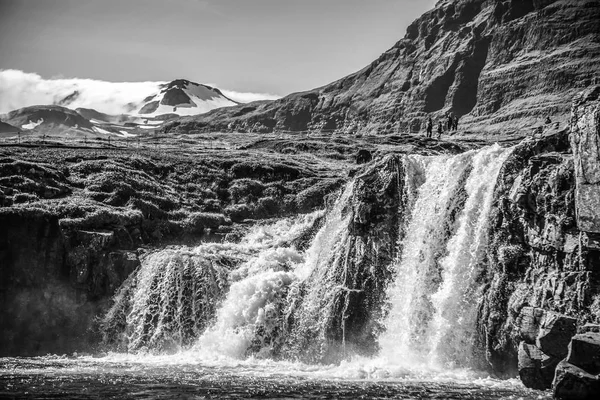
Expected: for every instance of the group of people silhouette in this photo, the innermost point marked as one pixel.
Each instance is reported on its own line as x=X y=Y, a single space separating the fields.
x=451 y=124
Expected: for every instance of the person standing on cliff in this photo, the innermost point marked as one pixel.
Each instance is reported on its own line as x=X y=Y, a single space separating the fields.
x=450 y=122
x=455 y=127
x=440 y=129
x=429 y=127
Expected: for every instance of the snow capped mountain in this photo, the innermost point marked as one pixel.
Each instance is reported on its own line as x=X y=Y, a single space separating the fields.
x=176 y=98
x=80 y=106
x=20 y=89
x=183 y=97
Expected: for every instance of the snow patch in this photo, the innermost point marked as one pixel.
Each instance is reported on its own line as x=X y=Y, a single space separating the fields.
x=126 y=134
x=100 y=130
x=32 y=125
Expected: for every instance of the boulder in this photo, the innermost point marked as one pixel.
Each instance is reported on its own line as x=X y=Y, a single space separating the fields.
x=536 y=369
x=528 y=323
x=556 y=330
x=573 y=383
x=584 y=352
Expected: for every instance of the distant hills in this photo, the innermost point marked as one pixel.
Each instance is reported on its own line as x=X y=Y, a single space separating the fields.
x=170 y=100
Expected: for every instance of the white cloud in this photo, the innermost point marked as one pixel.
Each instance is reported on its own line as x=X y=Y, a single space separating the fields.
x=21 y=89
x=244 y=97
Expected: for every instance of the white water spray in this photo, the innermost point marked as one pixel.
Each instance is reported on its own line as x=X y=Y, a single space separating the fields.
x=432 y=320
x=252 y=310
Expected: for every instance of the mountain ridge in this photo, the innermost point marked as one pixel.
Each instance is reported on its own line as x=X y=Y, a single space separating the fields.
x=500 y=66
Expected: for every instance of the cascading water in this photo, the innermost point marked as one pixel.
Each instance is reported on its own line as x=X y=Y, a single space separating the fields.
x=265 y=298
x=251 y=317
x=170 y=301
x=432 y=320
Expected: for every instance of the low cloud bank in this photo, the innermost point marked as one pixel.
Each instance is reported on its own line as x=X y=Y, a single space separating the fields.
x=21 y=89
x=242 y=97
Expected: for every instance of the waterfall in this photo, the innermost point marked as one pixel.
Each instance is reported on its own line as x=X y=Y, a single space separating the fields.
x=173 y=297
x=225 y=298
x=251 y=319
x=434 y=295
x=394 y=268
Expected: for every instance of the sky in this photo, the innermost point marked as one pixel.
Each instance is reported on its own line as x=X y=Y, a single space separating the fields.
x=257 y=46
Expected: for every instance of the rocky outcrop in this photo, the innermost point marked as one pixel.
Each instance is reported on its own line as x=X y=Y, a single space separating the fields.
x=573 y=383
x=348 y=319
x=498 y=65
x=578 y=375
x=544 y=257
x=546 y=337
x=536 y=369
x=585 y=141
x=584 y=352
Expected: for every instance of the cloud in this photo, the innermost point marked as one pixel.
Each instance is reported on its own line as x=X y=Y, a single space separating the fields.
x=21 y=89
x=244 y=97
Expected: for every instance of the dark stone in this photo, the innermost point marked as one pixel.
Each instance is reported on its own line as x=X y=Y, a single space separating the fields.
x=556 y=330
x=536 y=369
x=363 y=156
x=528 y=323
x=176 y=96
x=573 y=383
x=584 y=352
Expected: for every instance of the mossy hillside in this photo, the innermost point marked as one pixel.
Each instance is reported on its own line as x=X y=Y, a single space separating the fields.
x=169 y=194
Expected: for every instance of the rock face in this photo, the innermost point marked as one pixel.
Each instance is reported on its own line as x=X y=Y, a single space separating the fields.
x=498 y=65
x=585 y=141
x=536 y=369
x=544 y=257
x=545 y=339
x=348 y=319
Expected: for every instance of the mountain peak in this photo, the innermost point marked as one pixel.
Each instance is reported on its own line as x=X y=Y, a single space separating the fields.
x=184 y=97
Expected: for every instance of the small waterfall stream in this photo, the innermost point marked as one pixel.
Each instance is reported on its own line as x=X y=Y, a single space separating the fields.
x=266 y=298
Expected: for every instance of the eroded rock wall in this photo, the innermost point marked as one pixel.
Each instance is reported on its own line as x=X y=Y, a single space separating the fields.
x=544 y=261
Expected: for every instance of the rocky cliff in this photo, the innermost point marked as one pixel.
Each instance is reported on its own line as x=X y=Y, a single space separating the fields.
x=498 y=65
x=544 y=259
